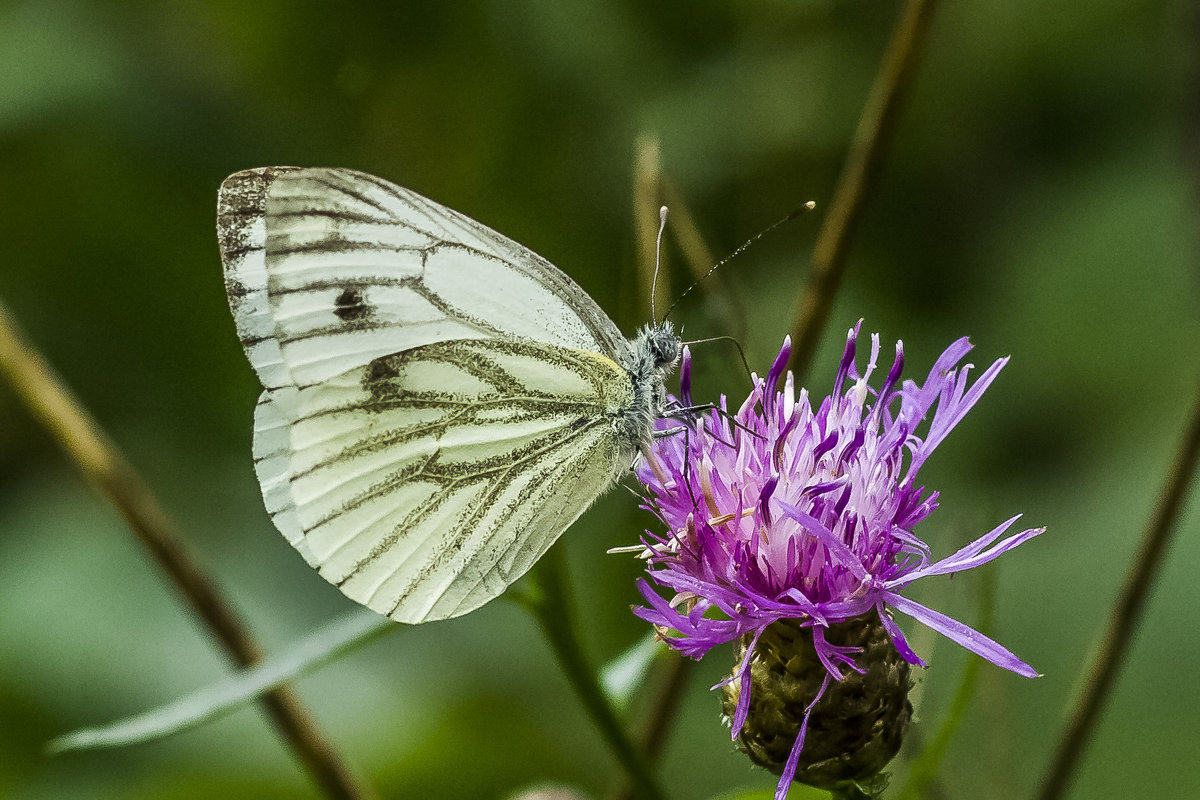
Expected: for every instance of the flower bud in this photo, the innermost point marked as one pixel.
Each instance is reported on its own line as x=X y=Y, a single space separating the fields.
x=856 y=726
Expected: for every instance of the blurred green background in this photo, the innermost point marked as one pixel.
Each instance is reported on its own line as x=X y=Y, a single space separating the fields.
x=1040 y=197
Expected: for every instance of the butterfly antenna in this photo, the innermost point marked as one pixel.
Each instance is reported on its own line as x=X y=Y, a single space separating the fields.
x=736 y=343
x=662 y=225
x=809 y=206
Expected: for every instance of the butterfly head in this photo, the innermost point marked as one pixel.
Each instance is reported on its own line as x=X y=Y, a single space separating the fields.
x=661 y=344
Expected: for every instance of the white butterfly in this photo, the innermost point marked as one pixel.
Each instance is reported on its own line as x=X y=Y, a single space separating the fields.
x=441 y=403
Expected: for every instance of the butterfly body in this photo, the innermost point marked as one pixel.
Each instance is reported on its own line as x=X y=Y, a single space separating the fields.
x=440 y=403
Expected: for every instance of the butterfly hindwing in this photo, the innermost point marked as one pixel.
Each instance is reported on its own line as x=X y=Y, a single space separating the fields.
x=331 y=268
x=423 y=483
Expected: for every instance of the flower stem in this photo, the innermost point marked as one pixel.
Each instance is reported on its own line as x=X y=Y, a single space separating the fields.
x=874 y=133
x=550 y=603
x=1124 y=621
x=103 y=465
x=853 y=793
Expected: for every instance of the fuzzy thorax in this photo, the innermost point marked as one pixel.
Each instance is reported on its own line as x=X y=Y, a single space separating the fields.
x=653 y=353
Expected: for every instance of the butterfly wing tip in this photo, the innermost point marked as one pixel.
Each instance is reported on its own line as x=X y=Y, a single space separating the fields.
x=255 y=175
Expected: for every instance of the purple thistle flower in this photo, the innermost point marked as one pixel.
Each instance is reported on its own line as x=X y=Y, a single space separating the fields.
x=782 y=512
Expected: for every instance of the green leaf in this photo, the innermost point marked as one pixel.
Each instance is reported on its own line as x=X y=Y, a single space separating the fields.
x=318 y=648
x=626 y=673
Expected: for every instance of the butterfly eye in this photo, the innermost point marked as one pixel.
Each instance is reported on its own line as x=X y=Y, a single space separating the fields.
x=664 y=347
x=666 y=351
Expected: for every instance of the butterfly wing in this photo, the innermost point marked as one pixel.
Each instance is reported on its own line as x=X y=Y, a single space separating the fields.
x=427 y=481
x=327 y=269
x=440 y=400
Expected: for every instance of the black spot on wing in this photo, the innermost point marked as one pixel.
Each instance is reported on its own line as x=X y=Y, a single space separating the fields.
x=379 y=373
x=352 y=306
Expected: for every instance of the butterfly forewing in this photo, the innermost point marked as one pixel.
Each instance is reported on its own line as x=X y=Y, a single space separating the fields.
x=425 y=482
x=330 y=268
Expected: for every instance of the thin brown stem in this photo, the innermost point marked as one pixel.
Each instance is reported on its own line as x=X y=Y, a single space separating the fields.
x=874 y=133
x=647 y=198
x=1126 y=617
x=103 y=465
x=651 y=190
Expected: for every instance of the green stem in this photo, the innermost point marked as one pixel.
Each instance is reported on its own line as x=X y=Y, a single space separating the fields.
x=549 y=600
x=851 y=792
